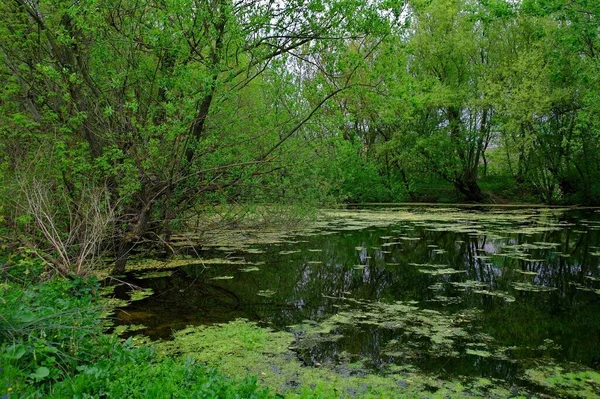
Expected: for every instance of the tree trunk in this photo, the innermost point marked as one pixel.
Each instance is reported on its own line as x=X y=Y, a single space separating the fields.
x=470 y=189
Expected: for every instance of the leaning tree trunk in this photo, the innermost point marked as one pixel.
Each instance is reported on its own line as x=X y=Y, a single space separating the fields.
x=470 y=189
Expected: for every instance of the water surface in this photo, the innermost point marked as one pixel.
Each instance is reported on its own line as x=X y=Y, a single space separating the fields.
x=455 y=291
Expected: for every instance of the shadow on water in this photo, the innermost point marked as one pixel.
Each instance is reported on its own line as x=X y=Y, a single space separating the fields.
x=482 y=292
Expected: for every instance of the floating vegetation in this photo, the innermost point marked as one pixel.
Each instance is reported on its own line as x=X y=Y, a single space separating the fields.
x=532 y=288
x=249 y=269
x=436 y=287
x=137 y=295
x=440 y=272
x=546 y=245
x=157 y=274
x=241 y=348
x=587 y=289
x=254 y=251
x=446 y=300
x=440 y=331
x=434 y=265
x=477 y=352
x=123 y=328
x=572 y=381
x=498 y=294
x=533 y=260
x=153 y=264
x=526 y=272
x=289 y=252
x=222 y=278
x=470 y=284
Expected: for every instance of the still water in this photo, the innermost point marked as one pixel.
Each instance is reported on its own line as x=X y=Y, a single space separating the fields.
x=455 y=291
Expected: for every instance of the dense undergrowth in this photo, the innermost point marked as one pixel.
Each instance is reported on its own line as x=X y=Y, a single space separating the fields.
x=53 y=345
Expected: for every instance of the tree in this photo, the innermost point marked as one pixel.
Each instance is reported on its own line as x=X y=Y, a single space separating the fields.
x=133 y=95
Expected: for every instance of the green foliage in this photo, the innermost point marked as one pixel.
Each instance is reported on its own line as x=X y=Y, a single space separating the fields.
x=47 y=330
x=52 y=345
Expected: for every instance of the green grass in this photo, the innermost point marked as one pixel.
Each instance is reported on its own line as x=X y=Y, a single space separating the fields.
x=53 y=345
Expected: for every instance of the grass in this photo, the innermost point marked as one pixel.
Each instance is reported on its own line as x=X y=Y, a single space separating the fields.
x=53 y=345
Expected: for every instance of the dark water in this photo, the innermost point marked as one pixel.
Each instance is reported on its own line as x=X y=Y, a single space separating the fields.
x=515 y=253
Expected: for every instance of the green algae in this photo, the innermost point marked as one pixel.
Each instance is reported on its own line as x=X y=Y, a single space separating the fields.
x=470 y=284
x=155 y=274
x=222 y=278
x=434 y=265
x=570 y=381
x=436 y=287
x=404 y=238
x=526 y=272
x=439 y=329
x=532 y=287
x=441 y=272
x=289 y=252
x=123 y=328
x=249 y=269
x=498 y=294
x=139 y=294
x=241 y=348
x=480 y=353
x=254 y=251
x=153 y=264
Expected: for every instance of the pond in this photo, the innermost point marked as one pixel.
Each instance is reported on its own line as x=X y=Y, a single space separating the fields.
x=502 y=298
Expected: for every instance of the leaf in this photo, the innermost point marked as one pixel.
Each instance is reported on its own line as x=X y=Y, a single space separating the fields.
x=40 y=373
x=14 y=352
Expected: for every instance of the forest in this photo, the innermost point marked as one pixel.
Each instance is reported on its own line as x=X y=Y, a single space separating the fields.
x=127 y=124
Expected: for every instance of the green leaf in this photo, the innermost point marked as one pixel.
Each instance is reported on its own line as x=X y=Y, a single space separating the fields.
x=14 y=352
x=40 y=373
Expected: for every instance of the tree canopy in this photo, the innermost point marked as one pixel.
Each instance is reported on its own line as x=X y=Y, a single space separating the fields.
x=155 y=109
